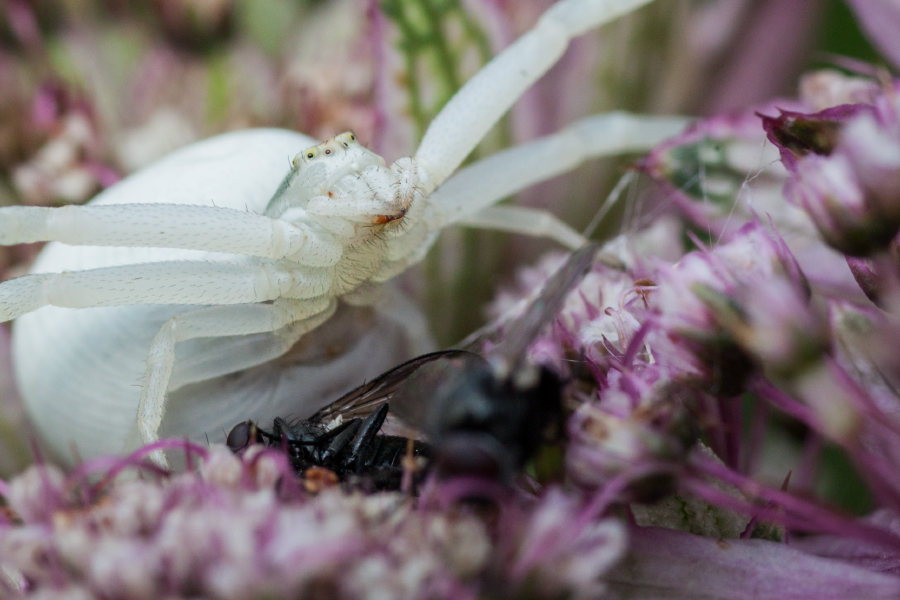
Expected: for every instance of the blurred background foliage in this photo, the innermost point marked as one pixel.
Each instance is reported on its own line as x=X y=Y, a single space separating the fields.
x=91 y=90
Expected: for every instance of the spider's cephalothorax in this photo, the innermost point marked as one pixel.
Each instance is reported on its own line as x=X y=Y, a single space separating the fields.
x=215 y=252
x=340 y=188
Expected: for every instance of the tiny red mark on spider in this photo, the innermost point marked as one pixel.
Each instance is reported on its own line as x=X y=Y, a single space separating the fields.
x=382 y=219
x=331 y=194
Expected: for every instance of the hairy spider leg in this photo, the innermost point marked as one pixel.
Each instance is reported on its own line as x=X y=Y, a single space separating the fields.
x=167 y=282
x=215 y=321
x=468 y=196
x=189 y=227
x=484 y=98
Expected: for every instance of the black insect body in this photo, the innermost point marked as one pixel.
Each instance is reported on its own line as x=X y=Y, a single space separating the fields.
x=488 y=426
x=482 y=416
x=487 y=416
x=354 y=451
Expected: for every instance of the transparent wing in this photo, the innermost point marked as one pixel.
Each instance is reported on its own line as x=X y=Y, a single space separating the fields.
x=410 y=387
x=363 y=400
x=414 y=397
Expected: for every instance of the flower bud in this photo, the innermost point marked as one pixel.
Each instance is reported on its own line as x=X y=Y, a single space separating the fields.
x=831 y=400
x=37 y=494
x=648 y=433
x=716 y=160
x=873 y=149
x=798 y=135
x=845 y=165
x=195 y=24
x=828 y=88
x=829 y=190
x=702 y=312
x=775 y=327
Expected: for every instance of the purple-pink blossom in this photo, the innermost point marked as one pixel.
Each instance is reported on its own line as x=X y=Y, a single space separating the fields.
x=733 y=354
x=237 y=528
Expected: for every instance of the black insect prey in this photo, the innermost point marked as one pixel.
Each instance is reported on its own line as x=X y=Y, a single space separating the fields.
x=353 y=450
x=482 y=416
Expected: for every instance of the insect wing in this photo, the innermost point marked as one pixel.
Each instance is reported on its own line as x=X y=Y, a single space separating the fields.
x=430 y=385
x=413 y=401
x=413 y=387
x=507 y=357
x=365 y=399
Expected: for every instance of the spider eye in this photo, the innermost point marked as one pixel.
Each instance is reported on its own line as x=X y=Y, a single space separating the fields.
x=311 y=153
x=346 y=138
x=328 y=152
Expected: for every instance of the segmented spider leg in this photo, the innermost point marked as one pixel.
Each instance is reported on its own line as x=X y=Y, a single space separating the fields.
x=168 y=282
x=188 y=227
x=526 y=221
x=214 y=321
x=488 y=181
x=480 y=103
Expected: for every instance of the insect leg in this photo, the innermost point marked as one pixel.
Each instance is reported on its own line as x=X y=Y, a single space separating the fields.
x=282 y=431
x=367 y=432
x=340 y=441
x=214 y=321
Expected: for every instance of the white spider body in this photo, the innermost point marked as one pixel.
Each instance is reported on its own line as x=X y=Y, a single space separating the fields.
x=228 y=263
x=80 y=371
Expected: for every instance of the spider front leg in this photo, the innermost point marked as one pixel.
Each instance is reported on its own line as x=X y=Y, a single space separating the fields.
x=466 y=198
x=168 y=282
x=526 y=221
x=188 y=227
x=215 y=321
x=480 y=103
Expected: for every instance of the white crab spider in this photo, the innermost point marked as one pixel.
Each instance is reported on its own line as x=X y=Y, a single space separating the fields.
x=213 y=252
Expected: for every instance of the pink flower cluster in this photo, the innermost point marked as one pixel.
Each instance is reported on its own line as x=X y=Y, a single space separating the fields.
x=749 y=334
x=783 y=315
x=240 y=528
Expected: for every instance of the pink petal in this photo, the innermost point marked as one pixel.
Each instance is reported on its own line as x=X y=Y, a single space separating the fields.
x=881 y=21
x=675 y=565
